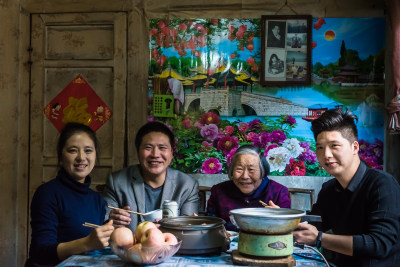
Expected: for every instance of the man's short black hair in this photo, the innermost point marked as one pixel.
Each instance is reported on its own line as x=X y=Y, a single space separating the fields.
x=154 y=126
x=336 y=120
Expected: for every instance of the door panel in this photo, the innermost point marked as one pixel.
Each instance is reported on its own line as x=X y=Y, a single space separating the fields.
x=63 y=46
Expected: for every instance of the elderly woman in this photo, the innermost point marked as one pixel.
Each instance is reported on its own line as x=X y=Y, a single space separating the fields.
x=248 y=185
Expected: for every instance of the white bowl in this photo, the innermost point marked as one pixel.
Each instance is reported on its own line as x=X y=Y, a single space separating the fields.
x=152 y=216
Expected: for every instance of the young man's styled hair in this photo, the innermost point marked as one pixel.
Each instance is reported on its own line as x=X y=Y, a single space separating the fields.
x=336 y=120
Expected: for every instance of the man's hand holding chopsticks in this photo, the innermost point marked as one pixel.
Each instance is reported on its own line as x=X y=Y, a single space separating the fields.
x=121 y=217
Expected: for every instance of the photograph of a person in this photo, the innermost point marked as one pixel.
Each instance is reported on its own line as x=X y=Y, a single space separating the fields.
x=296 y=40
x=275 y=67
x=296 y=66
x=276 y=34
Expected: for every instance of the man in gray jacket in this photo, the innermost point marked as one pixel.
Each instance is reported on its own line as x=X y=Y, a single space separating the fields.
x=145 y=186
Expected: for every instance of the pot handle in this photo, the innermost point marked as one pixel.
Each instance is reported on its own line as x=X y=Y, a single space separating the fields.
x=227 y=239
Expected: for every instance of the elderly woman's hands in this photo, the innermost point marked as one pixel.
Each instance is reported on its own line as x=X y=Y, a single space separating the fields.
x=120 y=217
x=272 y=205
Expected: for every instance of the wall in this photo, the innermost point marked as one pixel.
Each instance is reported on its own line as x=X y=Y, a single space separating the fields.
x=14 y=81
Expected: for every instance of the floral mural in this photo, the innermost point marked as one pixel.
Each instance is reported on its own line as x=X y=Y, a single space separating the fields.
x=220 y=106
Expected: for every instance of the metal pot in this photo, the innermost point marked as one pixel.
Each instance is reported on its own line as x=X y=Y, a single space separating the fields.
x=266 y=220
x=199 y=234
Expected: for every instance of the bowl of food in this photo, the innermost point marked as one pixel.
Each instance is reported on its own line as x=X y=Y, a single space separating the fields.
x=148 y=246
x=143 y=255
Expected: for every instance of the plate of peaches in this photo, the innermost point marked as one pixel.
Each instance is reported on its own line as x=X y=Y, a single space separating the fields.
x=148 y=245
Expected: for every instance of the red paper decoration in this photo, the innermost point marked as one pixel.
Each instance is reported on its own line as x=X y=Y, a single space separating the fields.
x=78 y=102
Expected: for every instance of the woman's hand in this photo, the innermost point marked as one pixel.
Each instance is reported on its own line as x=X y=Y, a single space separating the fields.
x=272 y=205
x=99 y=237
x=120 y=217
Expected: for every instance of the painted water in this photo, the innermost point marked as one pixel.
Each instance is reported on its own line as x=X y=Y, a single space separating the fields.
x=362 y=101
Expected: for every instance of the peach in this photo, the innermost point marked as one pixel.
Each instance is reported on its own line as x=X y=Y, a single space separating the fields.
x=153 y=237
x=170 y=239
x=142 y=228
x=122 y=237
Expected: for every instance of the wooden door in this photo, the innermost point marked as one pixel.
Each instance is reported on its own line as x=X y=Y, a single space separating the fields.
x=63 y=46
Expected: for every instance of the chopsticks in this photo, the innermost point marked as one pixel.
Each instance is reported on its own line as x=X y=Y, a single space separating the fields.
x=91 y=225
x=263 y=203
x=126 y=210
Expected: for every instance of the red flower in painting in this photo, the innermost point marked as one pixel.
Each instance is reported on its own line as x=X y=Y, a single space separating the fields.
x=165 y=30
x=254 y=68
x=210 y=118
x=228 y=130
x=227 y=143
x=211 y=166
x=295 y=168
x=186 y=124
x=250 y=46
x=250 y=61
x=233 y=56
x=199 y=27
x=182 y=27
x=161 y=24
x=153 y=31
x=239 y=34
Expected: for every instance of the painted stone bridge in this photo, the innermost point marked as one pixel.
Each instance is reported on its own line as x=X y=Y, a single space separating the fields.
x=237 y=103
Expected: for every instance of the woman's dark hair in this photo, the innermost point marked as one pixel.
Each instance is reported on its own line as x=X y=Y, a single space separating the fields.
x=69 y=130
x=336 y=120
x=273 y=56
x=246 y=150
x=154 y=126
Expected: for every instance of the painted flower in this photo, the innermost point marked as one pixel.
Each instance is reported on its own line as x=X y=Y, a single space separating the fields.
x=307 y=155
x=206 y=144
x=243 y=126
x=268 y=148
x=261 y=140
x=250 y=136
x=372 y=163
x=255 y=124
x=210 y=118
x=211 y=166
x=209 y=132
x=227 y=143
x=365 y=148
x=198 y=124
x=229 y=156
x=295 y=168
x=277 y=136
x=278 y=158
x=228 y=130
x=186 y=124
x=377 y=148
x=293 y=145
x=290 y=120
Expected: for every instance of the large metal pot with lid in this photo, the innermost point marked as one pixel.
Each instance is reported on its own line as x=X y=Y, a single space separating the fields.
x=199 y=234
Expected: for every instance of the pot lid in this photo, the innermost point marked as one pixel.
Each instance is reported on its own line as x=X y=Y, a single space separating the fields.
x=192 y=222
